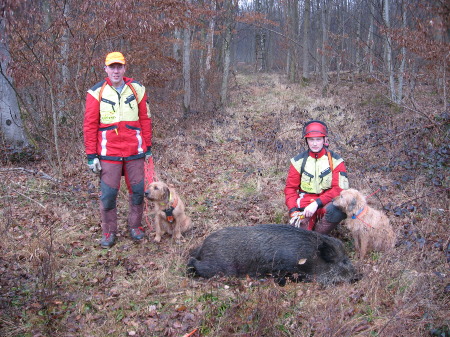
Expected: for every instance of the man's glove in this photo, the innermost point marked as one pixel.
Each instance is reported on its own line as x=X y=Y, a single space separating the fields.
x=94 y=165
x=296 y=215
x=148 y=154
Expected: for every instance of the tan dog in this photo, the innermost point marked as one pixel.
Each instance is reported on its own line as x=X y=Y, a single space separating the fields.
x=169 y=211
x=370 y=228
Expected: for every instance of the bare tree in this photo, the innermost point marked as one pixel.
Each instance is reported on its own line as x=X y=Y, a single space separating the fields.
x=306 y=29
x=324 y=60
x=292 y=32
x=209 y=41
x=176 y=45
x=401 y=71
x=187 y=32
x=368 y=49
x=260 y=39
x=230 y=8
x=388 y=50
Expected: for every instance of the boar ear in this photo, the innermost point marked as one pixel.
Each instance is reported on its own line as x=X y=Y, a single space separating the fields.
x=331 y=249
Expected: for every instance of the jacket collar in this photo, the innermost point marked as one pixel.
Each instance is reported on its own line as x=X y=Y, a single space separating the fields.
x=125 y=79
x=319 y=154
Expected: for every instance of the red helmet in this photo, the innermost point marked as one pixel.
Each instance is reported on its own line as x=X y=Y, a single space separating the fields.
x=315 y=129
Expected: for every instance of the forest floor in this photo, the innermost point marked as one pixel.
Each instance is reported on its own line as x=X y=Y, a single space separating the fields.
x=230 y=168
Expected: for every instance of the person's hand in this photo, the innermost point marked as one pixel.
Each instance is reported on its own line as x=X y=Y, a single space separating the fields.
x=94 y=165
x=296 y=215
x=310 y=209
x=148 y=154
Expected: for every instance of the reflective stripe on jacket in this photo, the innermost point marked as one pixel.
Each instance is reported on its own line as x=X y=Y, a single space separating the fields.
x=119 y=126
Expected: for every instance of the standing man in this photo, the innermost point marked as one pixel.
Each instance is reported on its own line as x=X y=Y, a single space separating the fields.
x=315 y=177
x=117 y=139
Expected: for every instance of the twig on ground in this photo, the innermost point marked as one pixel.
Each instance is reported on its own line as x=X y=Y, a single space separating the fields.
x=40 y=174
x=23 y=195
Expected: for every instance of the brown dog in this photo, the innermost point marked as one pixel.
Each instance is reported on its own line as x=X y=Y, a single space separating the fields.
x=169 y=211
x=370 y=228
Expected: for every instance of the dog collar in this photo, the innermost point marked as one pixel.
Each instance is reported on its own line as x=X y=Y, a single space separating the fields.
x=169 y=210
x=355 y=215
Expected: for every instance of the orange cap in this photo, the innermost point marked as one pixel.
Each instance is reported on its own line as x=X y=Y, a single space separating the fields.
x=114 y=57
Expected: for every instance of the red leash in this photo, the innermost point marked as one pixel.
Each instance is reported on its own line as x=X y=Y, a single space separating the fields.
x=149 y=175
x=378 y=190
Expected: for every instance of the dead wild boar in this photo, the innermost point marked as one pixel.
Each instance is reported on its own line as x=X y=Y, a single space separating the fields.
x=281 y=251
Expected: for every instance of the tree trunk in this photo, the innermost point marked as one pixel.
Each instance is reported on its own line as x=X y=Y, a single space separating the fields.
x=292 y=24
x=306 y=28
x=388 y=51
x=187 y=69
x=260 y=41
x=369 y=43
x=176 y=45
x=11 y=125
x=209 y=49
x=65 y=74
x=401 y=71
x=324 y=16
x=226 y=63
x=358 y=40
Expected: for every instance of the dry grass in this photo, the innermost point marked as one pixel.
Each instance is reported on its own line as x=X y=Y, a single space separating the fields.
x=230 y=170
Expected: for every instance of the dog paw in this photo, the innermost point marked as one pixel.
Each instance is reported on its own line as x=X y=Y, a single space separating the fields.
x=157 y=239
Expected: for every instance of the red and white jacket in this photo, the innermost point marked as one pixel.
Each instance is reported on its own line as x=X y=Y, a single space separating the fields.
x=119 y=127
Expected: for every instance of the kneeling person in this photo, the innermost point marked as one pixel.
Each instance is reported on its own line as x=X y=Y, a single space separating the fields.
x=315 y=178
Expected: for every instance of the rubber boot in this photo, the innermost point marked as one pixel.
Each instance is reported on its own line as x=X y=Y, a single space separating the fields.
x=135 y=221
x=109 y=220
x=324 y=227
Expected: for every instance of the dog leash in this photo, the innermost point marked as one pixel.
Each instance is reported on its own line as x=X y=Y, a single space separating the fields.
x=378 y=190
x=149 y=174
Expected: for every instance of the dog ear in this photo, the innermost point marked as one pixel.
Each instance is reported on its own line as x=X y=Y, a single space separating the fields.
x=166 y=193
x=352 y=204
x=360 y=201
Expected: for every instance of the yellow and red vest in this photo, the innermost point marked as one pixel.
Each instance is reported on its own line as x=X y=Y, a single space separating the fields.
x=316 y=173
